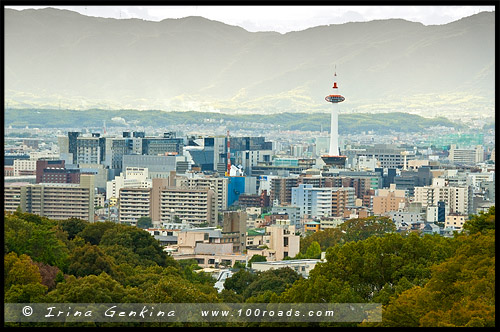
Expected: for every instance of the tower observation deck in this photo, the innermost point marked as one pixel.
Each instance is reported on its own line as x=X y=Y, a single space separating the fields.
x=333 y=158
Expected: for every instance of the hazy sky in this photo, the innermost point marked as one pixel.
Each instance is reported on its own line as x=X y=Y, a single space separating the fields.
x=282 y=18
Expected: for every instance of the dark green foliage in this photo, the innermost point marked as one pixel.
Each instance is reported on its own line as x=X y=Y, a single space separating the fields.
x=72 y=226
x=93 y=289
x=239 y=281
x=144 y=222
x=351 y=230
x=141 y=243
x=359 y=271
x=256 y=258
x=272 y=281
x=93 y=232
x=89 y=259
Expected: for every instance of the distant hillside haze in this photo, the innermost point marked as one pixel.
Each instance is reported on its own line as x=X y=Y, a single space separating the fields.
x=58 y=58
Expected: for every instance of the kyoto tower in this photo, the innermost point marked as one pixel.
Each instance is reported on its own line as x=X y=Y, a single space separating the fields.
x=333 y=158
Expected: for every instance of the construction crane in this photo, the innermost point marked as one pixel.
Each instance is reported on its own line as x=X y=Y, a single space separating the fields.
x=228 y=172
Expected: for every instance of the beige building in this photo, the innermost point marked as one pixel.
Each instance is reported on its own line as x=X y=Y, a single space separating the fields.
x=24 y=167
x=217 y=184
x=387 y=200
x=56 y=201
x=234 y=229
x=208 y=246
x=132 y=177
x=12 y=195
x=194 y=206
x=167 y=204
x=279 y=241
x=455 y=221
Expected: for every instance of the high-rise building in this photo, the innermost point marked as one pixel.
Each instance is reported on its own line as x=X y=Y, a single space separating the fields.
x=234 y=229
x=72 y=144
x=194 y=206
x=218 y=184
x=154 y=146
x=313 y=202
x=57 y=201
x=90 y=150
x=134 y=203
x=281 y=190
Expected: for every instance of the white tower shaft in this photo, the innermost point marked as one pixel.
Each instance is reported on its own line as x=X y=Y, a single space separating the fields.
x=334 y=131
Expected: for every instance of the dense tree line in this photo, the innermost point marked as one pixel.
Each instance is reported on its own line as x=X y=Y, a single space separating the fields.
x=348 y=123
x=421 y=281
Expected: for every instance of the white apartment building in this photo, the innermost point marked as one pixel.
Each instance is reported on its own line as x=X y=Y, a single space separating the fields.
x=133 y=177
x=134 y=203
x=301 y=266
x=89 y=150
x=24 y=167
x=466 y=156
x=313 y=202
x=456 y=198
x=403 y=217
x=477 y=178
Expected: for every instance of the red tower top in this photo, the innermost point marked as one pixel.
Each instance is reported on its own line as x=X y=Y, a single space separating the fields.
x=335 y=98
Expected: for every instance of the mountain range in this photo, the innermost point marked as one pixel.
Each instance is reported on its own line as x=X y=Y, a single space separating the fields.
x=58 y=58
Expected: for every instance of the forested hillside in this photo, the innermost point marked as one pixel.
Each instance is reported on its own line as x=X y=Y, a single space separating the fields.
x=348 y=123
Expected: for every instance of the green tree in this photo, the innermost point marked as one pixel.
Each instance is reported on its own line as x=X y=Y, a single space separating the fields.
x=22 y=280
x=145 y=246
x=35 y=236
x=89 y=259
x=170 y=289
x=73 y=226
x=362 y=228
x=93 y=232
x=144 y=222
x=359 y=271
x=239 y=281
x=314 y=250
x=481 y=223
x=460 y=292
x=94 y=289
x=326 y=238
x=256 y=258
x=276 y=281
